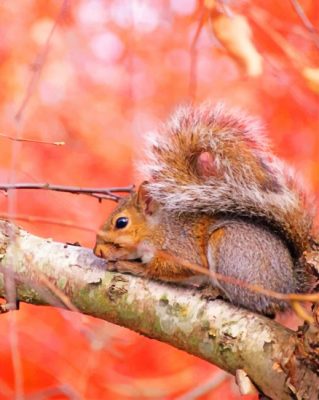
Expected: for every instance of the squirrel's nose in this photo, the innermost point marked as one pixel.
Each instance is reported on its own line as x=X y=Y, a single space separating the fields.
x=98 y=250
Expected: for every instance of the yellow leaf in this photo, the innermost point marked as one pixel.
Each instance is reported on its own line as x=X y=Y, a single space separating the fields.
x=210 y=4
x=312 y=78
x=235 y=34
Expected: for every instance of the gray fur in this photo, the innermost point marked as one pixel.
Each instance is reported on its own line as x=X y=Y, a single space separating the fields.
x=255 y=255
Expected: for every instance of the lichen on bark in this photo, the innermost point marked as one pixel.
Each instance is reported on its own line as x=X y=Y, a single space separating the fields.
x=230 y=337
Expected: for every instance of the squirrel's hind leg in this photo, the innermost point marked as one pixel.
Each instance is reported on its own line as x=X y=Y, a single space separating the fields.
x=252 y=254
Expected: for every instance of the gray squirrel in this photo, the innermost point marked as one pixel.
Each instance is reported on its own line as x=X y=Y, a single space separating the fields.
x=216 y=196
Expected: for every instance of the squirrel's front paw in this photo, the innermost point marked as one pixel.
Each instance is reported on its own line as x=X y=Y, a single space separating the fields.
x=210 y=292
x=111 y=266
x=127 y=267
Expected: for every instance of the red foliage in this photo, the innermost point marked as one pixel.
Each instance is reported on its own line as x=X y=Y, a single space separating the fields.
x=111 y=71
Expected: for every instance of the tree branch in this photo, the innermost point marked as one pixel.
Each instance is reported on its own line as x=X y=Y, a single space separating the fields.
x=47 y=272
x=99 y=193
x=39 y=63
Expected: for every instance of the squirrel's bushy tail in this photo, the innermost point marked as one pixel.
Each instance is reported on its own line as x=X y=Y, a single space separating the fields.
x=240 y=176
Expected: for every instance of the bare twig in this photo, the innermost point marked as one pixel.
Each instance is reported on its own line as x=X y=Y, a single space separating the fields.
x=57 y=292
x=254 y=288
x=205 y=387
x=64 y=389
x=11 y=289
x=192 y=87
x=296 y=60
x=303 y=17
x=17 y=139
x=39 y=63
x=305 y=21
x=99 y=193
x=244 y=383
x=45 y=220
x=292 y=297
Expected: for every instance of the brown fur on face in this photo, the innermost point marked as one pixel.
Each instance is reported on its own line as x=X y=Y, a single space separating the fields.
x=122 y=244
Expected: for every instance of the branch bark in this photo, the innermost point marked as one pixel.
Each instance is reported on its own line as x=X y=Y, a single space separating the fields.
x=227 y=336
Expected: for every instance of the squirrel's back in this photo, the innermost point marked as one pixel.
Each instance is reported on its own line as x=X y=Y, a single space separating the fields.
x=215 y=161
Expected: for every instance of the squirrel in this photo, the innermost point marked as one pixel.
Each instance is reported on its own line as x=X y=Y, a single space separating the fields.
x=216 y=196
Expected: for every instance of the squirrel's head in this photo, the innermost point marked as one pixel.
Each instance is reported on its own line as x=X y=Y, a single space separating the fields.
x=123 y=235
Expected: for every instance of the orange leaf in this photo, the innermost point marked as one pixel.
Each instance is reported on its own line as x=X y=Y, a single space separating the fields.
x=235 y=34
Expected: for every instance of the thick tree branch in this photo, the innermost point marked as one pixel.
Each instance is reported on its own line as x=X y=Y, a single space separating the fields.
x=232 y=338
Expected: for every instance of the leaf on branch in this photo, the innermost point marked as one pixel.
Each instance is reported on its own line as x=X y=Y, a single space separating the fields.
x=311 y=76
x=235 y=34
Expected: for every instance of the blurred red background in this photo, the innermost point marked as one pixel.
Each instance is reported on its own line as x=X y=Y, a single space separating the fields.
x=110 y=71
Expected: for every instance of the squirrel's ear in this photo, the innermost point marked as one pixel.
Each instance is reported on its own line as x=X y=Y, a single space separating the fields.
x=145 y=200
x=205 y=164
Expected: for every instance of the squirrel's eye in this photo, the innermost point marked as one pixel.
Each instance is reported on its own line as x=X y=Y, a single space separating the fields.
x=121 y=222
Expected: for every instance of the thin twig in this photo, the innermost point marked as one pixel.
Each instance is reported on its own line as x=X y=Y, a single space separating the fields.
x=44 y=220
x=99 y=193
x=16 y=139
x=11 y=289
x=192 y=87
x=212 y=383
x=305 y=21
x=303 y=17
x=57 y=292
x=39 y=63
x=254 y=288
x=311 y=297
x=63 y=389
x=259 y=17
